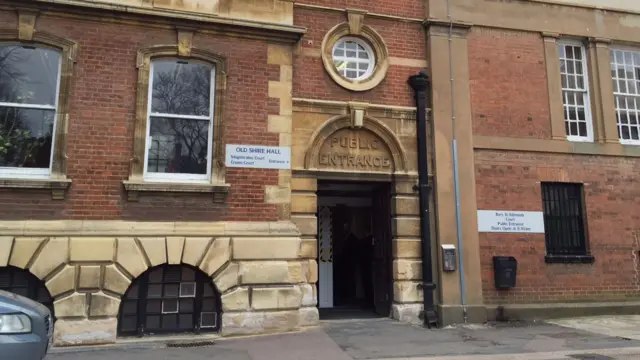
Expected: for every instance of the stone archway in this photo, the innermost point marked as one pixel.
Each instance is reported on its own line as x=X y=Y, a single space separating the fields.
x=372 y=147
x=170 y=298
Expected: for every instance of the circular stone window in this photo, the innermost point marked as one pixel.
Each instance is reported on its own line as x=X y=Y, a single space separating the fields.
x=353 y=58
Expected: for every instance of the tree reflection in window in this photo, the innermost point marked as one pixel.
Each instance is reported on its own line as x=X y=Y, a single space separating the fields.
x=29 y=79
x=180 y=121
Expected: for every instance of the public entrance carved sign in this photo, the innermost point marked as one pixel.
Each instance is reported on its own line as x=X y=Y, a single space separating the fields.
x=356 y=150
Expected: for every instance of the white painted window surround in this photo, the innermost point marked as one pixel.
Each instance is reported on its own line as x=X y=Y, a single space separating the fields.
x=625 y=72
x=180 y=121
x=575 y=91
x=29 y=88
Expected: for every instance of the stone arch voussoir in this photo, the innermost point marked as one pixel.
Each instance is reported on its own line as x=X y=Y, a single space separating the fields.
x=210 y=255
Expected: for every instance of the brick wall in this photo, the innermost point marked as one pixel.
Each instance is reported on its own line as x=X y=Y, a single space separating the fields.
x=405 y=40
x=508 y=84
x=402 y=8
x=100 y=138
x=511 y=181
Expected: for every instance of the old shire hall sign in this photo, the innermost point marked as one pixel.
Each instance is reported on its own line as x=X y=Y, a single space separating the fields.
x=357 y=150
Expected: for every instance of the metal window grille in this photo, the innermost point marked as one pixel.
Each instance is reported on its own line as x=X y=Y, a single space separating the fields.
x=24 y=283
x=170 y=299
x=563 y=209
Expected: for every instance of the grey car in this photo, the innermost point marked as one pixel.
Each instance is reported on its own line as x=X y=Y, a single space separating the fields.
x=26 y=328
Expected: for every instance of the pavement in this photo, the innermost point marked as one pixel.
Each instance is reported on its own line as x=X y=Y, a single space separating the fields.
x=385 y=339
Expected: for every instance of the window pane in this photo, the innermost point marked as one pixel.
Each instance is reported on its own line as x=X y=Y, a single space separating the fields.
x=178 y=146
x=188 y=274
x=582 y=126
x=188 y=289
x=28 y=76
x=208 y=319
x=171 y=290
x=154 y=291
x=169 y=306
x=181 y=88
x=154 y=306
x=186 y=321
x=129 y=323
x=186 y=305
x=170 y=322
x=26 y=137
x=130 y=307
x=153 y=322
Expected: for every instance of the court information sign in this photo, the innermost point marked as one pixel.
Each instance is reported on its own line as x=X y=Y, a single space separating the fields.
x=258 y=157
x=507 y=221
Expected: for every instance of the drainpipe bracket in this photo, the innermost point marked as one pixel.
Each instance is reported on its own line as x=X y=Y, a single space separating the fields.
x=427 y=286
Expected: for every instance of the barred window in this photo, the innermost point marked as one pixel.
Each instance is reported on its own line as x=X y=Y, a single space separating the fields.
x=564 y=220
x=170 y=299
x=625 y=70
x=575 y=92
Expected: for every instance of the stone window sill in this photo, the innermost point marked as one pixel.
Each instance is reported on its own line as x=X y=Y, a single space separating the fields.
x=58 y=187
x=569 y=259
x=134 y=188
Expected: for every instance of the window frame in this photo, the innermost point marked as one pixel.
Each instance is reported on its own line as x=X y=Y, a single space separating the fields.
x=24 y=33
x=583 y=254
x=137 y=183
x=366 y=34
x=367 y=48
x=36 y=173
x=180 y=177
x=616 y=94
x=586 y=93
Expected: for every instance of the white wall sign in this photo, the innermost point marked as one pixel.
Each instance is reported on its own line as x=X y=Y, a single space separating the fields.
x=258 y=157
x=510 y=221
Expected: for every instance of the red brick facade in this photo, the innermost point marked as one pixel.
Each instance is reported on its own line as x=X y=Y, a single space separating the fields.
x=510 y=99
x=403 y=40
x=101 y=121
x=508 y=83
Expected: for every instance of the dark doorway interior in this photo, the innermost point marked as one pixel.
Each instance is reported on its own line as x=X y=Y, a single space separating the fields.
x=361 y=249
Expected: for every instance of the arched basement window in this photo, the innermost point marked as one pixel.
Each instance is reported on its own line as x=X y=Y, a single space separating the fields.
x=24 y=283
x=170 y=299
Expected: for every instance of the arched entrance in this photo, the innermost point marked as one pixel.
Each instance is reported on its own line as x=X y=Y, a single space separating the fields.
x=170 y=299
x=354 y=167
x=22 y=282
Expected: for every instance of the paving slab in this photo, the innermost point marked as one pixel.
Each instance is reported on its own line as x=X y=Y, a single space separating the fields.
x=623 y=326
x=384 y=339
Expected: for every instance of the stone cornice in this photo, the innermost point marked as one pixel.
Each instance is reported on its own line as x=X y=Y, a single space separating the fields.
x=163 y=18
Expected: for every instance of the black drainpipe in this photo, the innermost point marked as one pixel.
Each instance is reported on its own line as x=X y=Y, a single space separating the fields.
x=420 y=85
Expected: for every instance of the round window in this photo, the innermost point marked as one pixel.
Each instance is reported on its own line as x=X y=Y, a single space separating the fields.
x=353 y=58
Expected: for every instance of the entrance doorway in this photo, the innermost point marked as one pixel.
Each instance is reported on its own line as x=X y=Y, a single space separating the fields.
x=354 y=249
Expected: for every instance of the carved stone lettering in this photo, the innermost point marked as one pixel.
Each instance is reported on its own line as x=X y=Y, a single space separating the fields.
x=355 y=150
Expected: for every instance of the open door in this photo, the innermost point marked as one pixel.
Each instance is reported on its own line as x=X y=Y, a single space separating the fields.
x=381 y=259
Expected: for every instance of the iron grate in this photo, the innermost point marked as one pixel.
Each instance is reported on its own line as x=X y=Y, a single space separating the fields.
x=190 y=344
x=591 y=357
